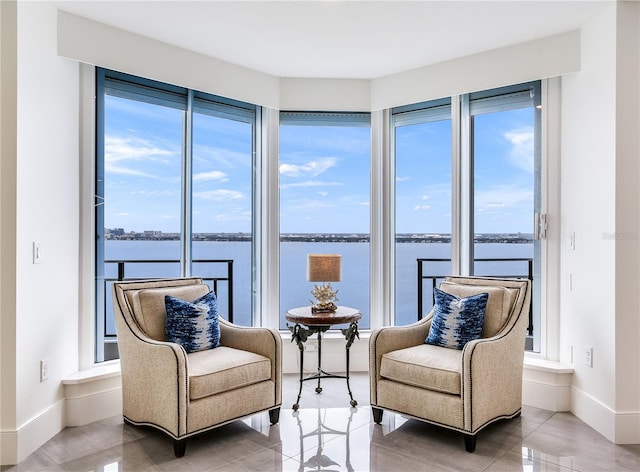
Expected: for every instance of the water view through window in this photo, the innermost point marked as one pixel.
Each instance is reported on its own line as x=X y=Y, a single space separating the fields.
x=324 y=205
x=176 y=182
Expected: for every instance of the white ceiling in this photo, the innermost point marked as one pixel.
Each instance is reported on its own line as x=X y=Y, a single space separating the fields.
x=339 y=39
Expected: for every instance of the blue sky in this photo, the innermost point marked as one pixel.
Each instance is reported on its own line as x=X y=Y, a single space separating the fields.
x=324 y=174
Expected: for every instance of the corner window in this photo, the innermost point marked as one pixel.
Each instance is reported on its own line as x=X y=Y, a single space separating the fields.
x=468 y=208
x=174 y=191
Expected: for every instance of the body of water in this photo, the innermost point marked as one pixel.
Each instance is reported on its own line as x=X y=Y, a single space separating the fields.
x=353 y=290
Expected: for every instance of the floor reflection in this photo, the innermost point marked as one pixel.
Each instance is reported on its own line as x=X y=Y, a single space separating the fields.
x=321 y=434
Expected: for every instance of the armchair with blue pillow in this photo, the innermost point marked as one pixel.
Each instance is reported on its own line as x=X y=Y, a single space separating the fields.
x=461 y=366
x=185 y=370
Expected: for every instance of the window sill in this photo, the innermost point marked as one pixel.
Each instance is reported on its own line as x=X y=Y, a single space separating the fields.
x=544 y=365
x=102 y=371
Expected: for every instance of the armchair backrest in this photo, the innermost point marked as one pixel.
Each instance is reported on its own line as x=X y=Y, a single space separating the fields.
x=506 y=298
x=146 y=305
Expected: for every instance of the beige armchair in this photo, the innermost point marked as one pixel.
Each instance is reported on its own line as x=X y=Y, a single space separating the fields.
x=463 y=390
x=184 y=394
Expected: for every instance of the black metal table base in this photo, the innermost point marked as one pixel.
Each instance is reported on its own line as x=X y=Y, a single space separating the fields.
x=300 y=335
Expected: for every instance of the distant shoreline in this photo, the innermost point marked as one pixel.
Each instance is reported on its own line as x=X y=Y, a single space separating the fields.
x=502 y=238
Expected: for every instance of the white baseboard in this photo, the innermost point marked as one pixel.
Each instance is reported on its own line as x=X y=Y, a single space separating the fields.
x=619 y=428
x=546 y=385
x=90 y=408
x=17 y=445
x=90 y=400
x=627 y=428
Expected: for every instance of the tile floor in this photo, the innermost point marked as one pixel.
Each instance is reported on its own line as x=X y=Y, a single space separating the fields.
x=326 y=434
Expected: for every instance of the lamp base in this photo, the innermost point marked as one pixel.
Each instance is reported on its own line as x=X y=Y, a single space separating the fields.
x=324 y=308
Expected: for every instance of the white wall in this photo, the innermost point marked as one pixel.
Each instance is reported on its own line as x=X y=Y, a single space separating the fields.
x=95 y=43
x=47 y=206
x=8 y=84
x=627 y=355
x=600 y=205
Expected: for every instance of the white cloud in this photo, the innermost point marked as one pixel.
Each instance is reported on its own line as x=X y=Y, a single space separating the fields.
x=322 y=193
x=208 y=176
x=521 y=152
x=311 y=168
x=219 y=195
x=402 y=179
x=421 y=207
x=119 y=150
x=112 y=169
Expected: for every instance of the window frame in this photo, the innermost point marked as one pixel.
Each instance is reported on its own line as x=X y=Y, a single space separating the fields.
x=266 y=211
x=326 y=119
x=189 y=102
x=463 y=109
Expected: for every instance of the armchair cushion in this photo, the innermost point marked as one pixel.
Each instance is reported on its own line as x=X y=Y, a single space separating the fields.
x=223 y=369
x=425 y=366
x=498 y=306
x=193 y=325
x=148 y=307
x=456 y=321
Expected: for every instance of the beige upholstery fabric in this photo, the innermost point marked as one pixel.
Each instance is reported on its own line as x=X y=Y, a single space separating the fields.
x=224 y=368
x=149 y=307
x=424 y=366
x=182 y=394
x=462 y=390
x=498 y=305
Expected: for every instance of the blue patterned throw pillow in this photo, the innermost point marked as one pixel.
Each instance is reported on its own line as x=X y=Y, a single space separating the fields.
x=456 y=321
x=194 y=325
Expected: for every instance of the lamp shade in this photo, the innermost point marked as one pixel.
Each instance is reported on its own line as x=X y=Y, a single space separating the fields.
x=324 y=267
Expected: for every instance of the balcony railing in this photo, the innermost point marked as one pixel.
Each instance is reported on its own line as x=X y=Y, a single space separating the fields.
x=435 y=279
x=124 y=265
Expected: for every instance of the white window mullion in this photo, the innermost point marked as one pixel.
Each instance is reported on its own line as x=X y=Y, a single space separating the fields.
x=185 y=234
x=269 y=217
x=462 y=239
x=382 y=230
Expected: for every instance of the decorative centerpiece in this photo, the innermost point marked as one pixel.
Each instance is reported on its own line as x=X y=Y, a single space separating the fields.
x=324 y=268
x=325 y=299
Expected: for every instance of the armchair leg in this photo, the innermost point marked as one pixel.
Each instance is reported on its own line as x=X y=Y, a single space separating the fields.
x=470 y=442
x=377 y=414
x=179 y=447
x=274 y=415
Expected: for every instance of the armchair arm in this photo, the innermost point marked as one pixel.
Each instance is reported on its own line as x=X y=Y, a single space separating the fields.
x=493 y=368
x=264 y=341
x=392 y=338
x=154 y=380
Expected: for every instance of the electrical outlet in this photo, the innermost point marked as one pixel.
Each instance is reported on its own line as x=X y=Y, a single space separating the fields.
x=588 y=356
x=44 y=370
x=310 y=347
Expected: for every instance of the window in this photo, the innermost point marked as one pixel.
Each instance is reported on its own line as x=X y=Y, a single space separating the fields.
x=505 y=155
x=174 y=180
x=487 y=226
x=325 y=204
x=423 y=164
x=177 y=178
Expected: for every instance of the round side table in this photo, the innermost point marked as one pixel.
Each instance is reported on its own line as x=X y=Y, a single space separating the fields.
x=307 y=324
